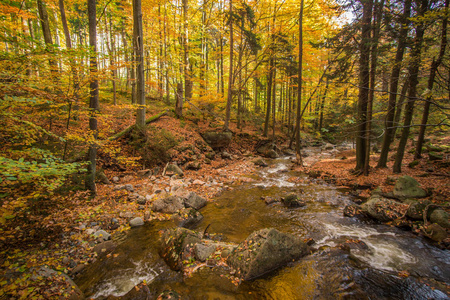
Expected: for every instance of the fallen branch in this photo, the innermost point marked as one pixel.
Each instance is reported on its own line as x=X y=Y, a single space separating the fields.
x=129 y=129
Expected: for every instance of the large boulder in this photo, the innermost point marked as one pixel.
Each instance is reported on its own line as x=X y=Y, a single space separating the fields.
x=416 y=208
x=176 y=246
x=440 y=217
x=265 y=250
x=383 y=209
x=407 y=187
x=217 y=140
x=168 y=205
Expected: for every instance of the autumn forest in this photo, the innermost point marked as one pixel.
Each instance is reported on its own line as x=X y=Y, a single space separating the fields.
x=107 y=107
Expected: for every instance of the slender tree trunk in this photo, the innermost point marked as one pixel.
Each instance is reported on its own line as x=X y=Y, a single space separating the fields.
x=412 y=90
x=230 y=76
x=399 y=109
x=160 y=55
x=274 y=100
x=125 y=47
x=269 y=96
x=322 y=106
x=166 y=67
x=289 y=105
x=139 y=52
x=45 y=24
x=299 y=89
x=187 y=65
x=179 y=100
x=364 y=82
x=393 y=87
x=94 y=106
x=373 y=69
x=434 y=67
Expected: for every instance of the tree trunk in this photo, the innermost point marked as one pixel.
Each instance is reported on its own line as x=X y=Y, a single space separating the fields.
x=269 y=96
x=399 y=109
x=412 y=93
x=179 y=100
x=230 y=76
x=364 y=82
x=187 y=68
x=274 y=94
x=138 y=41
x=373 y=69
x=47 y=36
x=93 y=100
x=299 y=82
x=393 y=87
x=434 y=66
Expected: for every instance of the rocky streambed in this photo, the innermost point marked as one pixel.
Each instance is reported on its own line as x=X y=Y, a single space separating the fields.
x=270 y=238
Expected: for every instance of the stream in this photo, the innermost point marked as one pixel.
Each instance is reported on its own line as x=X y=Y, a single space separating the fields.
x=372 y=270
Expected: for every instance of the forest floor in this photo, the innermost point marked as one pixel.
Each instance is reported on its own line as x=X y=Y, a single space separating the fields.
x=55 y=231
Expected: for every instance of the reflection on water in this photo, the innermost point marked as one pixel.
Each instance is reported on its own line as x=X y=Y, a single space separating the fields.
x=329 y=273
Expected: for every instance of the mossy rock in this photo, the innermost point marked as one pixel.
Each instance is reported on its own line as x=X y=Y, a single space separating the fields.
x=292 y=200
x=435 y=156
x=176 y=245
x=413 y=164
x=416 y=208
x=440 y=217
x=265 y=250
x=407 y=187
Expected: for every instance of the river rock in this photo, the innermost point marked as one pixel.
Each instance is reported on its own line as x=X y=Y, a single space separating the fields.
x=168 y=205
x=139 y=292
x=328 y=146
x=144 y=173
x=354 y=210
x=408 y=187
x=141 y=200
x=293 y=200
x=440 y=217
x=136 y=222
x=104 y=248
x=187 y=217
x=176 y=245
x=102 y=234
x=265 y=250
x=173 y=169
x=217 y=140
x=195 y=201
x=260 y=162
x=72 y=291
x=436 y=232
x=225 y=155
x=383 y=209
x=193 y=165
x=416 y=208
x=168 y=294
x=270 y=200
x=267 y=149
x=202 y=252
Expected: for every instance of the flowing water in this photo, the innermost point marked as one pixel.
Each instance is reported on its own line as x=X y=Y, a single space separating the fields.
x=367 y=271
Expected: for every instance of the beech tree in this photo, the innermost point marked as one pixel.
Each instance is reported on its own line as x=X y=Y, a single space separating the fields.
x=94 y=106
